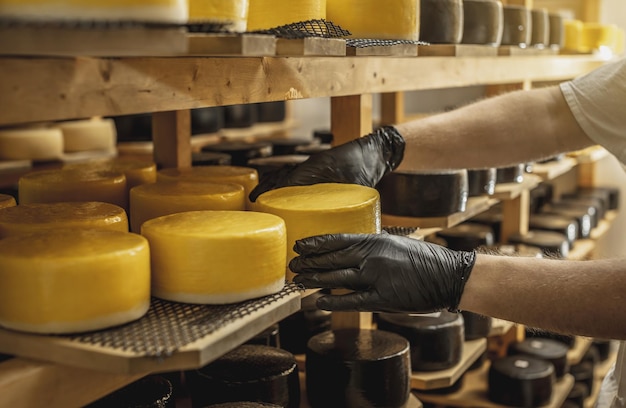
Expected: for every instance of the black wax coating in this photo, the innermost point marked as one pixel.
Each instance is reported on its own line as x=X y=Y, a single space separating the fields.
x=467 y=236
x=567 y=339
x=240 y=116
x=481 y=182
x=557 y=223
x=578 y=394
x=285 y=147
x=598 y=194
x=582 y=217
x=549 y=350
x=553 y=244
x=521 y=381
x=241 y=152
x=603 y=347
x=516 y=28
x=298 y=328
x=324 y=136
x=271 y=111
x=594 y=202
x=491 y=218
x=248 y=373
x=511 y=174
x=584 y=373
x=153 y=391
x=207 y=120
x=557 y=30
x=358 y=368
x=210 y=159
x=561 y=206
x=441 y=21
x=613 y=194
x=264 y=165
x=540 y=24
x=476 y=325
x=423 y=194
x=436 y=340
x=540 y=196
x=482 y=22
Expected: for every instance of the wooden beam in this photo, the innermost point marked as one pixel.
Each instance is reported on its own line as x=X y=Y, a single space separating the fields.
x=515 y=215
x=392 y=108
x=350 y=117
x=171 y=135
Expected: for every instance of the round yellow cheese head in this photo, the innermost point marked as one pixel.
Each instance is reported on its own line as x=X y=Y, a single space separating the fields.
x=154 y=200
x=87 y=135
x=326 y=208
x=37 y=217
x=61 y=185
x=233 y=14
x=216 y=257
x=31 y=143
x=137 y=172
x=6 y=201
x=68 y=281
x=265 y=14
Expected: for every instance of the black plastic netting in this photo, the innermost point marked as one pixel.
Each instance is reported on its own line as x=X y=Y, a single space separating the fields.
x=373 y=42
x=309 y=28
x=402 y=231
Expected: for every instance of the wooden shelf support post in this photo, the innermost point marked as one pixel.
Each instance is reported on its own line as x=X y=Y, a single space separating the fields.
x=171 y=135
x=392 y=108
x=515 y=213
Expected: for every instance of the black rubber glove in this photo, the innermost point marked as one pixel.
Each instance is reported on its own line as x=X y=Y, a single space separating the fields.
x=362 y=161
x=387 y=273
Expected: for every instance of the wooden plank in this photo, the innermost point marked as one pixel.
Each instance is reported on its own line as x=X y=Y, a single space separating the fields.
x=508 y=50
x=475 y=206
x=590 y=155
x=472 y=350
x=582 y=249
x=457 y=50
x=509 y=191
x=392 y=108
x=554 y=169
x=500 y=327
x=171 y=135
x=395 y=50
x=604 y=225
x=576 y=353
x=250 y=45
x=311 y=46
x=43 y=89
x=350 y=117
x=132 y=41
x=515 y=214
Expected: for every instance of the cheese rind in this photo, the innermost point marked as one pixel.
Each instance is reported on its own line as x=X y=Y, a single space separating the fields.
x=232 y=13
x=154 y=200
x=37 y=217
x=216 y=257
x=67 y=281
x=85 y=135
x=265 y=14
x=7 y=201
x=62 y=185
x=31 y=143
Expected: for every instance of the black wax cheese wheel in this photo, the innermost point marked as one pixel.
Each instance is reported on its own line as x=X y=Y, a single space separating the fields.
x=577 y=395
x=441 y=21
x=553 y=244
x=562 y=206
x=248 y=373
x=272 y=163
x=436 y=339
x=358 y=368
x=481 y=182
x=540 y=36
x=298 y=328
x=584 y=374
x=540 y=196
x=207 y=120
x=476 y=326
x=594 y=202
x=271 y=111
x=492 y=218
x=557 y=30
x=467 y=236
x=150 y=391
x=510 y=174
x=482 y=22
x=516 y=25
x=240 y=116
x=288 y=146
x=423 y=194
x=324 y=136
x=581 y=215
x=611 y=194
x=567 y=339
x=521 y=381
x=241 y=152
x=552 y=351
x=603 y=347
x=556 y=223
x=210 y=159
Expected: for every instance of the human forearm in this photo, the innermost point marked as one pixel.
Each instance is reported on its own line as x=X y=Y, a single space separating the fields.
x=574 y=297
x=512 y=128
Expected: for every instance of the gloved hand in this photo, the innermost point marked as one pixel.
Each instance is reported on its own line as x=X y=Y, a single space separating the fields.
x=387 y=273
x=362 y=161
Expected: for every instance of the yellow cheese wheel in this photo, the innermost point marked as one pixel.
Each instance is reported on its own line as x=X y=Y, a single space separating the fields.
x=68 y=281
x=161 y=11
x=31 y=143
x=154 y=200
x=86 y=135
x=53 y=186
x=245 y=176
x=597 y=36
x=391 y=19
x=216 y=257
x=37 y=217
x=232 y=13
x=322 y=209
x=573 y=40
x=265 y=14
x=6 y=201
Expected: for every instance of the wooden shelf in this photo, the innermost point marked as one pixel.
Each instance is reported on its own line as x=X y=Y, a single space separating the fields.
x=500 y=327
x=510 y=191
x=43 y=89
x=552 y=170
x=590 y=155
x=472 y=350
x=576 y=353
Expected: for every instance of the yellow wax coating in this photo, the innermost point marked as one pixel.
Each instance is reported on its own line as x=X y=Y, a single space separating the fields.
x=37 y=217
x=232 y=12
x=154 y=200
x=7 y=201
x=137 y=172
x=216 y=256
x=264 y=14
x=62 y=185
x=73 y=280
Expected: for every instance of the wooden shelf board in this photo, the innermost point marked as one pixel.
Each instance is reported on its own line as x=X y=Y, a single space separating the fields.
x=582 y=249
x=576 y=353
x=500 y=327
x=552 y=170
x=590 y=154
x=472 y=350
x=457 y=50
x=474 y=206
x=42 y=89
x=245 y=45
x=510 y=191
x=507 y=50
x=600 y=372
x=120 y=41
x=604 y=225
x=189 y=355
x=474 y=392
x=311 y=46
x=396 y=50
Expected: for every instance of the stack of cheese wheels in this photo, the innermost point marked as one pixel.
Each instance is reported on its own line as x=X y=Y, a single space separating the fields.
x=38 y=143
x=32 y=218
x=216 y=257
x=53 y=186
x=157 y=11
x=87 y=135
x=232 y=14
x=69 y=281
x=265 y=14
x=325 y=208
x=392 y=20
x=7 y=201
x=154 y=200
x=245 y=176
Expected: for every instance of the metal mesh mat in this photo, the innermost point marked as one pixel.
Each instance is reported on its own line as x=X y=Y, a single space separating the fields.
x=372 y=42
x=168 y=326
x=87 y=24
x=402 y=231
x=308 y=28
x=209 y=27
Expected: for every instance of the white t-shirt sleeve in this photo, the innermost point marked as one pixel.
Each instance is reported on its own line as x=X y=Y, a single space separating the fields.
x=598 y=102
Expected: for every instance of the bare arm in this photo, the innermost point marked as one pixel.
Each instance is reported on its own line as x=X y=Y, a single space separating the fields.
x=513 y=128
x=576 y=297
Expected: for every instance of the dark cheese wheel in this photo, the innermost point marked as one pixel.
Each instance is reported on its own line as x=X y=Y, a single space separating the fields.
x=358 y=368
x=476 y=325
x=516 y=25
x=584 y=373
x=611 y=194
x=241 y=152
x=240 y=116
x=553 y=244
x=561 y=205
x=271 y=111
x=594 y=202
x=210 y=159
x=284 y=147
x=467 y=236
x=248 y=373
x=482 y=22
x=441 y=21
x=603 y=347
x=266 y=164
x=298 y=328
x=492 y=218
x=540 y=196
x=324 y=136
x=510 y=174
x=552 y=351
x=567 y=339
x=577 y=395
x=556 y=223
x=521 y=381
x=601 y=195
x=582 y=217
x=423 y=194
x=150 y=391
x=481 y=182
x=436 y=339
x=207 y=120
